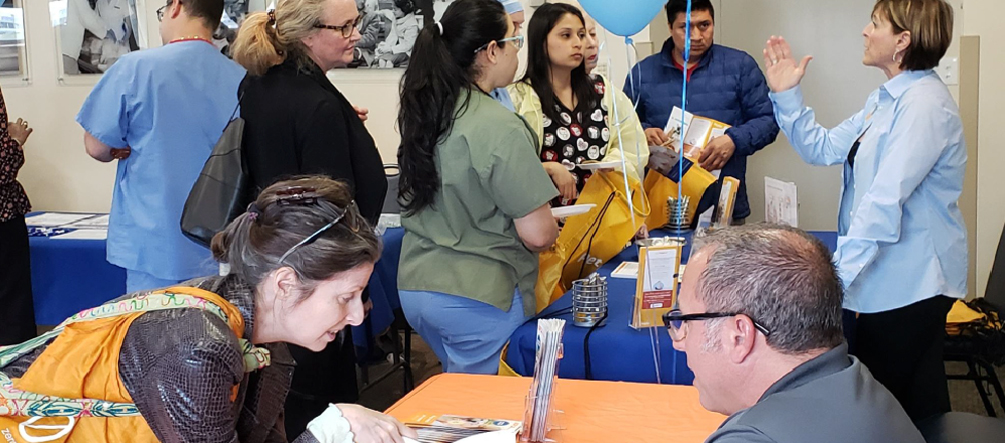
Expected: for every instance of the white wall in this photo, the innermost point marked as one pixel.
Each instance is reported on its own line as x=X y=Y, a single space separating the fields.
x=983 y=18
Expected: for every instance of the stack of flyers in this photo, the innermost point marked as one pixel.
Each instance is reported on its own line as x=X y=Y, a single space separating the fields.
x=455 y=428
x=549 y=351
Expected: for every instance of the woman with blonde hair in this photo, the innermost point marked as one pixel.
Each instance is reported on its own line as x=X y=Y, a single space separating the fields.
x=297 y=122
x=902 y=245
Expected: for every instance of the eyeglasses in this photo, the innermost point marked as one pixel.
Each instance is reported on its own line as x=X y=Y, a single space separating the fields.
x=516 y=39
x=297 y=195
x=676 y=322
x=160 y=10
x=345 y=29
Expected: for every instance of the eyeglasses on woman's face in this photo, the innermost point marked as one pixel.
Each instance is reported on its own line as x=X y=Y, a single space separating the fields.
x=345 y=29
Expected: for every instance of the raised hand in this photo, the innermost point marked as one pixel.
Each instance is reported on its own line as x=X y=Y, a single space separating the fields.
x=781 y=69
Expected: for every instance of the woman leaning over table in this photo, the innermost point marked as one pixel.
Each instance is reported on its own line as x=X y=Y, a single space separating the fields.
x=573 y=113
x=207 y=360
x=902 y=247
x=17 y=310
x=475 y=198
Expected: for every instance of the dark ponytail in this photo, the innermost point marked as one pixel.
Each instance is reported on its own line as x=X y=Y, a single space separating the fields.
x=539 y=61
x=443 y=68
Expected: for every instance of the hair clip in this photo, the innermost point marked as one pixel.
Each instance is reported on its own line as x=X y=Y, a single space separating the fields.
x=272 y=17
x=253 y=211
x=300 y=195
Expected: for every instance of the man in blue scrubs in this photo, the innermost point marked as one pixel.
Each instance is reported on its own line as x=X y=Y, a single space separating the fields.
x=159 y=112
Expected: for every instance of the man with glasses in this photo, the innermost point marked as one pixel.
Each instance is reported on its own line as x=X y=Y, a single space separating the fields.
x=760 y=320
x=159 y=112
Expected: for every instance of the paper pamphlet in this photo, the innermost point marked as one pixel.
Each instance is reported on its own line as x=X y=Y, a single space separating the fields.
x=95 y=222
x=53 y=219
x=458 y=428
x=627 y=269
x=780 y=203
x=727 y=198
x=538 y=417
x=656 y=287
x=83 y=234
x=697 y=132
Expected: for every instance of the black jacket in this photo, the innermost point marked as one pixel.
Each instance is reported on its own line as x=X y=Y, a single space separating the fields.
x=298 y=123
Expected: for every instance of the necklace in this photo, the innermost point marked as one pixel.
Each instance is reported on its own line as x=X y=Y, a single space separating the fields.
x=189 y=39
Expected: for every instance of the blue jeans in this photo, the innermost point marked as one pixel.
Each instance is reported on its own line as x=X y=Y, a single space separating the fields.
x=141 y=281
x=466 y=335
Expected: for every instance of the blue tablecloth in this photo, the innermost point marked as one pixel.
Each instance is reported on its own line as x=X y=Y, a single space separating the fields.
x=617 y=352
x=71 y=275
x=68 y=276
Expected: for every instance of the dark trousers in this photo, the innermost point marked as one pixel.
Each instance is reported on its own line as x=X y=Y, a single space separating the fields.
x=903 y=350
x=320 y=378
x=17 y=310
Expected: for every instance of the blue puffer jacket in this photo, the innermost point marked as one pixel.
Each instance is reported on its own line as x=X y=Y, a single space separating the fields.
x=727 y=86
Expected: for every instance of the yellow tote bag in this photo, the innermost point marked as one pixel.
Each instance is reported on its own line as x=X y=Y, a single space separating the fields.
x=588 y=241
x=659 y=189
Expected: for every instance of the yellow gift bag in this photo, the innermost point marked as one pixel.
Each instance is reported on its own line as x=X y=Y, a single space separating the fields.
x=73 y=393
x=659 y=188
x=588 y=241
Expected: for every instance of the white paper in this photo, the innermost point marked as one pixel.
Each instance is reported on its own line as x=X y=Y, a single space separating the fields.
x=83 y=234
x=673 y=128
x=696 y=135
x=54 y=219
x=659 y=273
x=628 y=269
x=99 y=222
x=780 y=203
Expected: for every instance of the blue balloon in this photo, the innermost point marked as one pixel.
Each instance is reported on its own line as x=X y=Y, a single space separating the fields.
x=623 y=17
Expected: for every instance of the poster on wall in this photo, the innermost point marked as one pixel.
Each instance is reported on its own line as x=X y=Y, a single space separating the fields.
x=13 y=56
x=234 y=13
x=93 y=34
x=389 y=29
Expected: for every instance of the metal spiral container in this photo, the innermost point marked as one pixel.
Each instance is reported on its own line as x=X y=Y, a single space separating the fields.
x=677 y=216
x=589 y=300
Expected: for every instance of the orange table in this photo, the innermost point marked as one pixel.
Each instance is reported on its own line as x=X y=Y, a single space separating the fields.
x=594 y=411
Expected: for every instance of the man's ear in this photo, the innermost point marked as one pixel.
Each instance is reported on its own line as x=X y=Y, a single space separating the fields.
x=740 y=337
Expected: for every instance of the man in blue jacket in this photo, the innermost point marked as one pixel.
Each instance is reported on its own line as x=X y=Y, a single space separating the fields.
x=724 y=84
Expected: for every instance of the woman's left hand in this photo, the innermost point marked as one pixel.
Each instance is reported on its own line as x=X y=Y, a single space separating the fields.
x=781 y=70
x=370 y=426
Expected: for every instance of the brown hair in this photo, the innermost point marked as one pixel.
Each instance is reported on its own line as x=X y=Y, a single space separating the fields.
x=254 y=243
x=267 y=39
x=930 y=23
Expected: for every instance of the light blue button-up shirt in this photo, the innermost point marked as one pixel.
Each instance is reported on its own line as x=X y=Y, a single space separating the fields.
x=901 y=237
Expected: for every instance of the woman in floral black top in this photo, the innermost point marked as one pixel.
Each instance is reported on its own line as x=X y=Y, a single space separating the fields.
x=572 y=112
x=17 y=313
x=576 y=136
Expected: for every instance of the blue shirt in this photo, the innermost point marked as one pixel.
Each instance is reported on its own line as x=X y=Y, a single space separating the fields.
x=726 y=85
x=501 y=95
x=901 y=237
x=170 y=105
